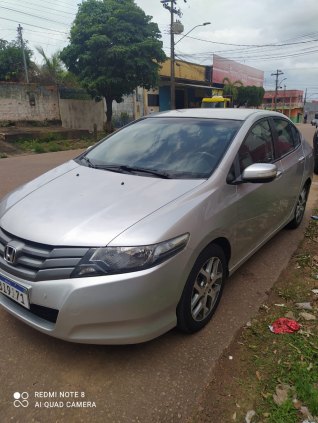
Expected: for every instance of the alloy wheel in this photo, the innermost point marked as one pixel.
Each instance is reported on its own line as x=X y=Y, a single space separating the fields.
x=206 y=288
x=301 y=205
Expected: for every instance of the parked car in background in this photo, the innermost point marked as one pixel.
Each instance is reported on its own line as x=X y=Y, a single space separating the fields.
x=314 y=122
x=138 y=234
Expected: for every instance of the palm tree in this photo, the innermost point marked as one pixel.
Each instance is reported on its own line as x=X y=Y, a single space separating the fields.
x=52 y=68
x=231 y=88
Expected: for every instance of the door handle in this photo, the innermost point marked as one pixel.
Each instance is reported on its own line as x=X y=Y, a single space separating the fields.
x=301 y=159
x=279 y=174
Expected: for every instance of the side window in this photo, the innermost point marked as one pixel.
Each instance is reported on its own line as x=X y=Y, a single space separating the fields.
x=257 y=146
x=285 y=137
x=296 y=136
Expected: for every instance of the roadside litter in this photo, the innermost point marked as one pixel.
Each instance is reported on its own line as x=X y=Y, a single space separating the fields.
x=304 y=306
x=249 y=416
x=284 y=325
x=307 y=316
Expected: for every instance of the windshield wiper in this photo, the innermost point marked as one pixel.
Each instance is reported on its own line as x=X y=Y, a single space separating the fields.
x=133 y=170
x=87 y=160
x=154 y=172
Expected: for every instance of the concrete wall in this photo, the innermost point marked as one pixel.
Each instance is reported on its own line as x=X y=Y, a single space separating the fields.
x=22 y=102
x=133 y=106
x=32 y=102
x=82 y=114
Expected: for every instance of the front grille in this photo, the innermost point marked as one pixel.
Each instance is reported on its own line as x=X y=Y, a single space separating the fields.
x=40 y=262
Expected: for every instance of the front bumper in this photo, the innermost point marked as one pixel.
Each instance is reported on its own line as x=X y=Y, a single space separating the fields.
x=114 y=309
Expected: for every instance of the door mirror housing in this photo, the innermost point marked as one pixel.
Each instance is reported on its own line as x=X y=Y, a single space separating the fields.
x=260 y=173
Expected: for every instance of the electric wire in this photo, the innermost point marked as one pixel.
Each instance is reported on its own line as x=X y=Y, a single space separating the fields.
x=35 y=26
x=34 y=16
x=42 y=8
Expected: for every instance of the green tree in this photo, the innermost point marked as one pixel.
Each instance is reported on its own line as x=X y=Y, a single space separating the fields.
x=231 y=89
x=114 y=47
x=11 y=61
x=250 y=96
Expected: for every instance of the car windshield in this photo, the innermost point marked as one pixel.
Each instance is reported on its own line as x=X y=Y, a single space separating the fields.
x=186 y=148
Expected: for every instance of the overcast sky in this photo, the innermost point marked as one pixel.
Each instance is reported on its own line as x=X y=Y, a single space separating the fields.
x=238 y=30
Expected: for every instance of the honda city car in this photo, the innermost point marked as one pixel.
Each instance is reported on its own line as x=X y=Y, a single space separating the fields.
x=138 y=234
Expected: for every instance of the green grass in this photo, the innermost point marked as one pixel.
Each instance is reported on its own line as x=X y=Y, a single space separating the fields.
x=51 y=143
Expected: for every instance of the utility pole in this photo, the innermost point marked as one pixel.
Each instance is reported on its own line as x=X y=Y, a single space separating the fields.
x=171 y=6
x=304 y=110
x=172 y=74
x=305 y=98
x=277 y=74
x=19 y=29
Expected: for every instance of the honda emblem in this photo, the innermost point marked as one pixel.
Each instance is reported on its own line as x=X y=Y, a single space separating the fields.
x=10 y=254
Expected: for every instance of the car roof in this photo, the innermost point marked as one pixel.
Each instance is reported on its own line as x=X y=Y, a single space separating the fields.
x=222 y=113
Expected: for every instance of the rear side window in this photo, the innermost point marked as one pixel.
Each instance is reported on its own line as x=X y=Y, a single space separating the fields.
x=296 y=136
x=287 y=137
x=257 y=146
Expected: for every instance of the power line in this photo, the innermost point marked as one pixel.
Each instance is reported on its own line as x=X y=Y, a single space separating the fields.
x=63 y=2
x=48 y=31
x=41 y=7
x=33 y=16
x=253 y=57
x=252 y=45
x=58 y=2
x=35 y=26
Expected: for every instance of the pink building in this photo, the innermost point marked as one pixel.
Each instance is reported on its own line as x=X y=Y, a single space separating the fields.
x=289 y=102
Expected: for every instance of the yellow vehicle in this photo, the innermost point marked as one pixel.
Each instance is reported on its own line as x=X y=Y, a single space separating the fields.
x=216 y=101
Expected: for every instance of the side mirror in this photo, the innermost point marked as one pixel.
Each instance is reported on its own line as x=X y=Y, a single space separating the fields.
x=259 y=173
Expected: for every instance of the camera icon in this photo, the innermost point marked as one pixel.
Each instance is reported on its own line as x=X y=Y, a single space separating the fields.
x=21 y=399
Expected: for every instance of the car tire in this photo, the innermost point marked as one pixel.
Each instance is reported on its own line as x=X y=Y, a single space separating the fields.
x=203 y=290
x=299 y=209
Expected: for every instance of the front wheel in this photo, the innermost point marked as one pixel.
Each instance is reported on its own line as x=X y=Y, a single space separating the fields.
x=299 y=209
x=203 y=290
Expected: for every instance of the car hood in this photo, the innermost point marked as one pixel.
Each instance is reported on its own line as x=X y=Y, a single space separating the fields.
x=82 y=206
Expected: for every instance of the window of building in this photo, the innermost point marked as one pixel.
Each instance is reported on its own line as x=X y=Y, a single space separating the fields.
x=153 y=100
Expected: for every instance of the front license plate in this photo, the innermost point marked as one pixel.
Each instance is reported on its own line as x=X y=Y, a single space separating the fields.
x=16 y=292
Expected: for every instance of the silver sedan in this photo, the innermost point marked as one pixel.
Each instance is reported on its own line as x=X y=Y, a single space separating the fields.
x=138 y=234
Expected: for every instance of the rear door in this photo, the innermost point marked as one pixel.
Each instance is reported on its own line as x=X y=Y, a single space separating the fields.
x=289 y=151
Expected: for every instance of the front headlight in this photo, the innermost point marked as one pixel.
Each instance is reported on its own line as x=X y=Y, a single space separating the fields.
x=111 y=260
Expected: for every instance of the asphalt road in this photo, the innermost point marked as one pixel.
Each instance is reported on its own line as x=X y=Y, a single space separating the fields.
x=160 y=381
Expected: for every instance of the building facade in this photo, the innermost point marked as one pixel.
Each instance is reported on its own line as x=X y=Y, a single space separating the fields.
x=311 y=110
x=288 y=102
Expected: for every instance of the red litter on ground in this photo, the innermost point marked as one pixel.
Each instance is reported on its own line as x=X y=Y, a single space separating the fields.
x=284 y=325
